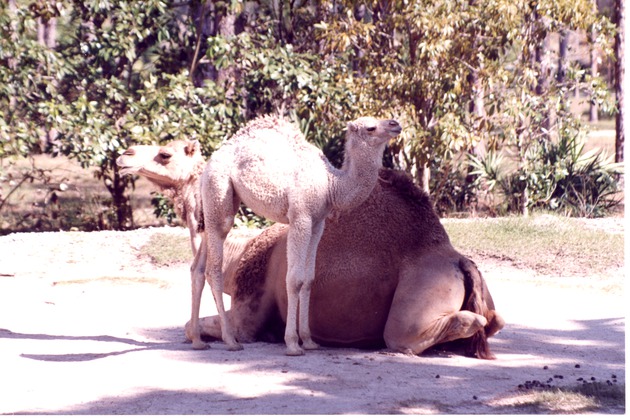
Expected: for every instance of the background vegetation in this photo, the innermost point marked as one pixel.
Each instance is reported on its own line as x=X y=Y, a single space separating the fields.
x=536 y=243
x=489 y=93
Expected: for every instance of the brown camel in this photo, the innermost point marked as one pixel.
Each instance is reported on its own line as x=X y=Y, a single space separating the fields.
x=175 y=169
x=269 y=166
x=386 y=274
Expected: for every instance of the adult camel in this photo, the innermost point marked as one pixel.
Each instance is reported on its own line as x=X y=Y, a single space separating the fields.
x=386 y=275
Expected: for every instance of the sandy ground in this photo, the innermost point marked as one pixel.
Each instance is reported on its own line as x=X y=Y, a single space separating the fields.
x=88 y=327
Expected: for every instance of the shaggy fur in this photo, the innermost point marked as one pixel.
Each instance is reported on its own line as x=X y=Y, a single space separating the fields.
x=269 y=166
x=386 y=275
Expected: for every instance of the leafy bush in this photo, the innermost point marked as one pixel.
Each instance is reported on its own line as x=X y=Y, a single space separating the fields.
x=556 y=176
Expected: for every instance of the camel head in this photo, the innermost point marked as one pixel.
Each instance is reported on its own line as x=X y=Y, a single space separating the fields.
x=372 y=131
x=166 y=166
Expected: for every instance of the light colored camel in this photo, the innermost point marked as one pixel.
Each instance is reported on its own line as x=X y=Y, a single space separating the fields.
x=269 y=166
x=386 y=275
x=258 y=291
x=175 y=169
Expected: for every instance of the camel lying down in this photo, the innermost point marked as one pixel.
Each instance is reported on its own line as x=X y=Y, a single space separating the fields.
x=386 y=274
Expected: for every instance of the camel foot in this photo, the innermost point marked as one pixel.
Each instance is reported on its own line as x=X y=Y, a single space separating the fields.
x=235 y=347
x=200 y=345
x=310 y=345
x=295 y=351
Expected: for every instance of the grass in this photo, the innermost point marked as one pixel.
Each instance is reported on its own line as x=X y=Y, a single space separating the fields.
x=592 y=397
x=539 y=242
x=121 y=281
x=603 y=124
x=588 y=398
x=167 y=249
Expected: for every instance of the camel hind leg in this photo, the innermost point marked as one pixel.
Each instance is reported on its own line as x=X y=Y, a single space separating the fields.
x=197 y=282
x=219 y=207
x=426 y=309
x=214 y=276
x=458 y=325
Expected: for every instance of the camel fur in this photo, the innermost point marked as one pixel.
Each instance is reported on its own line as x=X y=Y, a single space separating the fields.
x=175 y=169
x=269 y=166
x=386 y=274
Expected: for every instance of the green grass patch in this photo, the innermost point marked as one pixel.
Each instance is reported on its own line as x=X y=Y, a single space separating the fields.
x=121 y=281
x=168 y=249
x=548 y=244
x=603 y=124
x=595 y=397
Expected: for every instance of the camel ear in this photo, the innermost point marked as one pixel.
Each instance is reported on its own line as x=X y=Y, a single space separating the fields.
x=192 y=147
x=352 y=126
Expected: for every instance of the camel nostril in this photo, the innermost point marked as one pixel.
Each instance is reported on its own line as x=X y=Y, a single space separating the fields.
x=129 y=152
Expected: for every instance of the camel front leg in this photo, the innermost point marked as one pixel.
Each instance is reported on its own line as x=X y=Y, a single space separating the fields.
x=305 y=291
x=298 y=239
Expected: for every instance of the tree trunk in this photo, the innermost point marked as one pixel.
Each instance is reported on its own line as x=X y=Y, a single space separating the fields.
x=46 y=36
x=620 y=76
x=562 y=56
x=203 y=19
x=593 y=117
x=359 y=14
x=542 y=85
x=542 y=63
x=121 y=201
x=424 y=176
x=525 y=202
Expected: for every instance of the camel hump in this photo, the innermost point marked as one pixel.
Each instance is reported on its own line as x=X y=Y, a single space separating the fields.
x=475 y=302
x=252 y=266
x=288 y=131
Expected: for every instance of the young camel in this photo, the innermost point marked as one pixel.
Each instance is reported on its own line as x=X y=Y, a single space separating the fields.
x=175 y=169
x=269 y=166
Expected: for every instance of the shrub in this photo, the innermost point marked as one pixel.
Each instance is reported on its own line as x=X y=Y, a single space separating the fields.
x=557 y=176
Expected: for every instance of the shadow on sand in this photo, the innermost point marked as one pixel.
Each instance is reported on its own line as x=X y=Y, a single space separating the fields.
x=395 y=381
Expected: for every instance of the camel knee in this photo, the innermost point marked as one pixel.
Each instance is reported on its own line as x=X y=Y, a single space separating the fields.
x=463 y=324
x=210 y=327
x=415 y=339
x=495 y=323
x=298 y=281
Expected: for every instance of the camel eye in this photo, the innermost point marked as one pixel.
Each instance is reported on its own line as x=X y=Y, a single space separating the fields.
x=371 y=128
x=165 y=155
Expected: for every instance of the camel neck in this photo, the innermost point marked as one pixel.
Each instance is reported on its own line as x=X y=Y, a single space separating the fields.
x=357 y=177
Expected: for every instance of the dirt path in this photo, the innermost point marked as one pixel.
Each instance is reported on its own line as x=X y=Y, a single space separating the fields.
x=86 y=327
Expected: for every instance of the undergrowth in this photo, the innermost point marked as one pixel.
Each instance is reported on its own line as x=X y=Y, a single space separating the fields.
x=548 y=244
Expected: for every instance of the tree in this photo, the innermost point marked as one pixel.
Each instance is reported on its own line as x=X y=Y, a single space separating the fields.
x=462 y=76
x=620 y=77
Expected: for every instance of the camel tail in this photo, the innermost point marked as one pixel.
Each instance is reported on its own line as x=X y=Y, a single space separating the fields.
x=476 y=303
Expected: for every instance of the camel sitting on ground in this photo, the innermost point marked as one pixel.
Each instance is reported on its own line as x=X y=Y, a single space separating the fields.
x=175 y=169
x=360 y=260
x=269 y=166
x=386 y=275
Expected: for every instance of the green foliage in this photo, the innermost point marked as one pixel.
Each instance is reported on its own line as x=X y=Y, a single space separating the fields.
x=558 y=177
x=163 y=208
x=26 y=68
x=462 y=76
x=277 y=78
x=431 y=63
